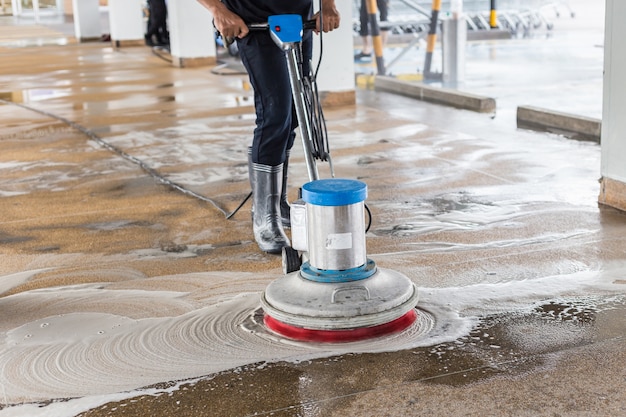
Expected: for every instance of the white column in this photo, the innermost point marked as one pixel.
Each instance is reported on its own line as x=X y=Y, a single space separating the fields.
x=16 y=7
x=336 y=74
x=454 y=44
x=126 y=22
x=86 y=19
x=613 y=166
x=192 y=35
x=36 y=10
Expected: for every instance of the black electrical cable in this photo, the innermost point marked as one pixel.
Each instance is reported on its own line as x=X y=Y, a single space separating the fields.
x=316 y=116
x=236 y=210
x=320 y=146
x=161 y=52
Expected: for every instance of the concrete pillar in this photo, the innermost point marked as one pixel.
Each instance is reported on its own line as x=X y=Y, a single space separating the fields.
x=454 y=41
x=192 y=35
x=36 y=10
x=454 y=34
x=126 y=22
x=613 y=167
x=16 y=7
x=335 y=78
x=86 y=20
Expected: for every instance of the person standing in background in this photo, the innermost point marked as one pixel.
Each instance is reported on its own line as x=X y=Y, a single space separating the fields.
x=157 y=33
x=364 y=31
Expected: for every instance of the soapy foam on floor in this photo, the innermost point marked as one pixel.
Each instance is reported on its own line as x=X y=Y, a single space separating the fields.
x=102 y=347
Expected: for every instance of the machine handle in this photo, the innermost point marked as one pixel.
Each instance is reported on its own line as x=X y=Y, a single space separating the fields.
x=306 y=25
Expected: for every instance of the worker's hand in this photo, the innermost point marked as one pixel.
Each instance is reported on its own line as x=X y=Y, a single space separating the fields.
x=228 y=23
x=330 y=17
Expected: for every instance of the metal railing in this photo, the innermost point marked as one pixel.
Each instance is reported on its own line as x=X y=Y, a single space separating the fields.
x=519 y=17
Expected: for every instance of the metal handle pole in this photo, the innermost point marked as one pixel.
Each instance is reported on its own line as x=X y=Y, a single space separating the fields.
x=300 y=106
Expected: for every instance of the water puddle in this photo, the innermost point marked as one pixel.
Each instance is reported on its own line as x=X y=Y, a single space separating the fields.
x=24 y=43
x=34 y=94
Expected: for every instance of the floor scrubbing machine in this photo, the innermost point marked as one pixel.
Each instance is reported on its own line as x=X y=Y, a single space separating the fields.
x=337 y=294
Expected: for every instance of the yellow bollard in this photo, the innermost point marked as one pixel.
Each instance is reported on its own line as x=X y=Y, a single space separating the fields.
x=377 y=40
x=432 y=39
x=493 y=16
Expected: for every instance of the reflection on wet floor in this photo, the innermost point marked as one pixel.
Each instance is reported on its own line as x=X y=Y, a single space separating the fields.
x=33 y=95
x=37 y=36
x=13 y=96
x=124 y=296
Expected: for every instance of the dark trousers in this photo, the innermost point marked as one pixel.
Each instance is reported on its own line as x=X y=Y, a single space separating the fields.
x=157 y=21
x=383 y=10
x=276 y=120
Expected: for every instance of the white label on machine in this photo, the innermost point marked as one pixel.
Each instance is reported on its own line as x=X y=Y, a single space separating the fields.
x=336 y=241
x=299 y=238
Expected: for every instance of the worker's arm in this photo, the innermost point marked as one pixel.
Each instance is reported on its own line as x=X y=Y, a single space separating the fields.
x=330 y=17
x=226 y=22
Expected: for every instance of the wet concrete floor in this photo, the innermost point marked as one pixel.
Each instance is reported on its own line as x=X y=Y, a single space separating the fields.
x=125 y=291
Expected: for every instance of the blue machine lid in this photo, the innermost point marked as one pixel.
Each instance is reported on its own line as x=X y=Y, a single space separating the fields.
x=334 y=192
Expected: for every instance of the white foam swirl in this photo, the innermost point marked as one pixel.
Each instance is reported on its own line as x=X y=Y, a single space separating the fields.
x=85 y=353
x=95 y=340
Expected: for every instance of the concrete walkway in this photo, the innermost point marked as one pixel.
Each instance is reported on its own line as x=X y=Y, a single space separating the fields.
x=125 y=291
